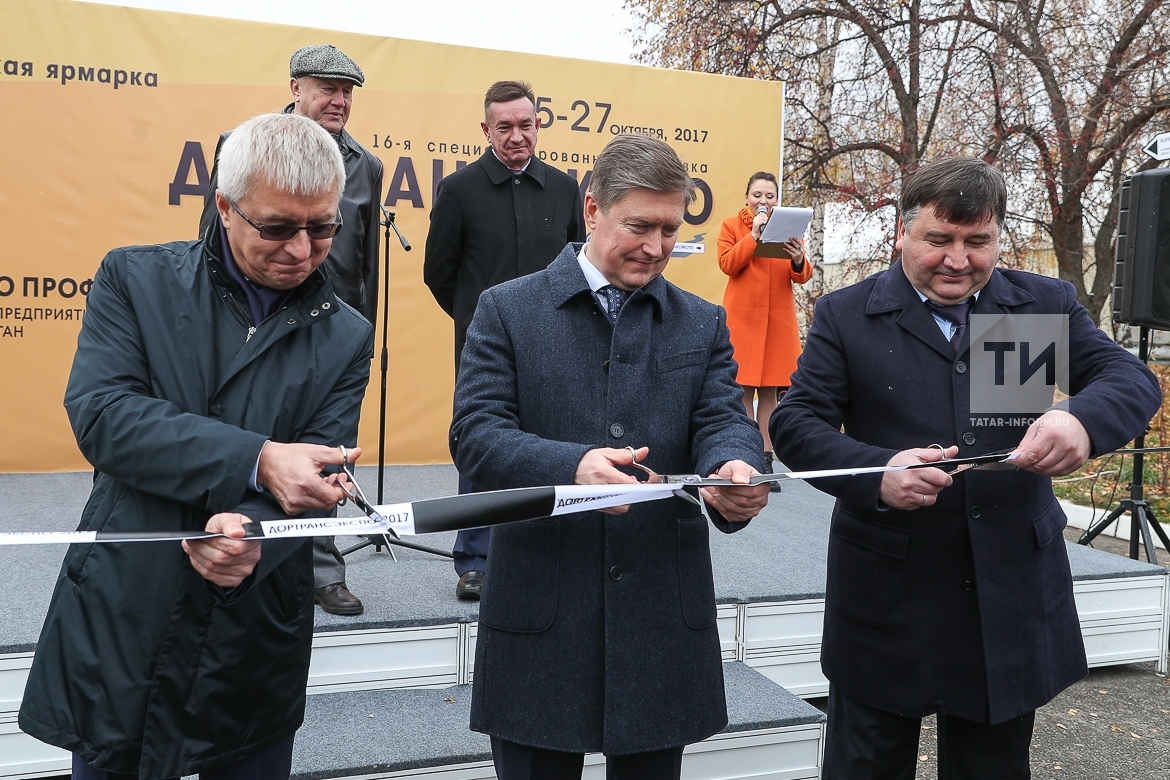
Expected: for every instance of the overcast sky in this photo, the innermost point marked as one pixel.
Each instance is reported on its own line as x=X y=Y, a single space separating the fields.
x=585 y=29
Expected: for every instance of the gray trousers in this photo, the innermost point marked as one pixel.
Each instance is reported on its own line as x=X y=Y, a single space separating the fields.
x=328 y=565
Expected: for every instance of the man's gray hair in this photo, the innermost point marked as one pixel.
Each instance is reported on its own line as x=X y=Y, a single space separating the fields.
x=631 y=162
x=290 y=152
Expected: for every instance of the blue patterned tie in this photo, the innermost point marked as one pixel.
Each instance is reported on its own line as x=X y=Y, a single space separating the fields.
x=956 y=315
x=614 y=299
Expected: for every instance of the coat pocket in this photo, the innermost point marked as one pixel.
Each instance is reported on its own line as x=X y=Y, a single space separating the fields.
x=867 y=573
x=1049 y=524
x=694 y=357
x=696 y=583
x=98 y=510
x=521 y=583
x=883 y=539
x=1053 y=573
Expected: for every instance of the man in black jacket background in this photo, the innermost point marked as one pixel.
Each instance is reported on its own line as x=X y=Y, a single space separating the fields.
x=322 y=79
x=503 y=216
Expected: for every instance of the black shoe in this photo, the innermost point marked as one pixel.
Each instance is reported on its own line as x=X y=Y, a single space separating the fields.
x=470 y=586
x=775 y=486
x=337 y=600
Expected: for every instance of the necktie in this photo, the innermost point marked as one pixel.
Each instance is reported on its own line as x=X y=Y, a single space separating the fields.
x=614 y=299
x=957 y=316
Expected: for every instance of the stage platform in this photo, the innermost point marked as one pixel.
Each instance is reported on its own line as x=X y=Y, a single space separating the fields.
x=414 y=634
x=423 y=733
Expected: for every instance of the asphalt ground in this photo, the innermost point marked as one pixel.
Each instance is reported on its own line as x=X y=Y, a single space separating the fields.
x=1112 y=725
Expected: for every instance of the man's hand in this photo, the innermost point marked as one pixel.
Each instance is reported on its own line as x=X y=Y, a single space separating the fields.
x=226 y=562
x=1055 y=445
x=292 y=474
x=916 y=488
x=597 y=467
x=737 y=504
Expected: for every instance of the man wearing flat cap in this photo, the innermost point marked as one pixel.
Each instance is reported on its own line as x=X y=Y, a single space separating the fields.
x=322 y=79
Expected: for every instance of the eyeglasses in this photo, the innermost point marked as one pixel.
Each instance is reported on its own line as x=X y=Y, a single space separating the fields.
x=289 y=232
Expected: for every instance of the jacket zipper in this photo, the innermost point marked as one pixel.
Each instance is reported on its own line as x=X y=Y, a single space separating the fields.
x=253 y=328
x=247 y=316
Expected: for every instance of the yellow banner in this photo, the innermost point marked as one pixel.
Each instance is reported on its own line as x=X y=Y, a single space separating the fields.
x=111 y=116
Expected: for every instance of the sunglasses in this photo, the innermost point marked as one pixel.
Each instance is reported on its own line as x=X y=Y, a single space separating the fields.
x=289 y=232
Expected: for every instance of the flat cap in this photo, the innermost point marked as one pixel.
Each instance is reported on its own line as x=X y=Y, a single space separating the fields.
x=324 y=62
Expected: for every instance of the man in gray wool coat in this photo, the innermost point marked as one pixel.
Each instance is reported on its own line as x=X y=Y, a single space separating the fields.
x=597 y=631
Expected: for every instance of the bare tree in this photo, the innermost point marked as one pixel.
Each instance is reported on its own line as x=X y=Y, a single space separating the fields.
x=869 y=81
x=1075 y=86
x=1057 y=93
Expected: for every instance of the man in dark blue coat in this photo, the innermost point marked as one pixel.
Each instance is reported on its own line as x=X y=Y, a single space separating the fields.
x=213 y=383
x=597 y=631
x=948 y=595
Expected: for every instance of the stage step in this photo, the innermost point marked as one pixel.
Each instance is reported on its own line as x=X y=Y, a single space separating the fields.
x=423 y=734
x=1124 y=608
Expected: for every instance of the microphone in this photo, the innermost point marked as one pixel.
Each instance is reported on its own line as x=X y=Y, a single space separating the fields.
x=762 y=208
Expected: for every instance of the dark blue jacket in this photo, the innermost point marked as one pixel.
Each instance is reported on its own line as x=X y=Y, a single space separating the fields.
x=964 y=607
x=597 y=632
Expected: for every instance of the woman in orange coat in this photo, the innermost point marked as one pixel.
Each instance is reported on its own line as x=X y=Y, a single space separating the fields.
x=761 y=313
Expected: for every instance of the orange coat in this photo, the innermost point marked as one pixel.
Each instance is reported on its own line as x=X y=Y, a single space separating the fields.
x=761 y=314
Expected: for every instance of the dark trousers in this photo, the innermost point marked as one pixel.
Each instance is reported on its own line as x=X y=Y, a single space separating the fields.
x=471 y=546
x=864 y=742
x=272 y=763
x=328 y=562
x=521 y=762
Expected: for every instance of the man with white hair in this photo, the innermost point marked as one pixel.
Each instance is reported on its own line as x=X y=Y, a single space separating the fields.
x=322 y=80
x=212 y=385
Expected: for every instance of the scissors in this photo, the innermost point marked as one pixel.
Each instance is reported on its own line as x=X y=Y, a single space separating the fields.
x=353 y=492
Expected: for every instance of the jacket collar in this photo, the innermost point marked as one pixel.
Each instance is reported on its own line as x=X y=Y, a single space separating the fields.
x=316 y=287
x=344 y=140
x=500 y=173
x=567 y=281
x=892 y=292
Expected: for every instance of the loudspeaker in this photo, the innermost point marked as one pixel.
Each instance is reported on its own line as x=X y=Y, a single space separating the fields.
x=1141 y=265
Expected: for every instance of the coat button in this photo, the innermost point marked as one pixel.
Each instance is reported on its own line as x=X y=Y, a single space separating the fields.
x=976 y=512
x=968 y=585
x=968 y=438
x=605 y=366
x=617 y=431
x=961 y=367
x=615 y=573
x=516 y=180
